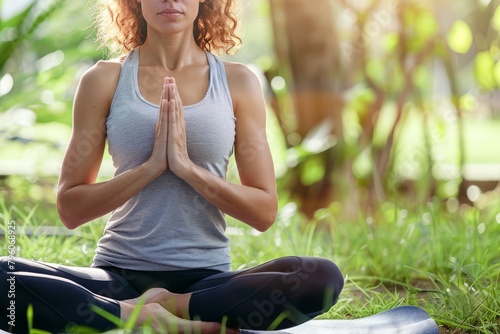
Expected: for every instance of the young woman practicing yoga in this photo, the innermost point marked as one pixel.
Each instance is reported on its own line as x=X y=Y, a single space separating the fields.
x=172 y=113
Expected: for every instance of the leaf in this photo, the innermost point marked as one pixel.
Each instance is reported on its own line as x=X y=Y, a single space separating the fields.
x=376 y=70
x=29 y=316
x=313 y=171
x=422 y=78
x=26 y=25
x=460 y=37
x=106 y=315
x=363 y=166
x=132 y=320
x=496 y=73
x=495 y=22
x=483 y=70
x=425 y=26
x=17 y=20
x=16 y=23
x=468 y=102
x=390 y=41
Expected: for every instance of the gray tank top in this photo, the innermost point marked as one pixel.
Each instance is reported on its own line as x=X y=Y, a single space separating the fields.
x=168 y=225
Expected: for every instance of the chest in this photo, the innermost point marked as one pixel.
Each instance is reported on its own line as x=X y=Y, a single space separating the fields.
x=131 y=124
x=192 y=83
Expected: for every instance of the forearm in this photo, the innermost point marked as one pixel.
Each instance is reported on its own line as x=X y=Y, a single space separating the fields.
x=82 y=203
x=253 y=206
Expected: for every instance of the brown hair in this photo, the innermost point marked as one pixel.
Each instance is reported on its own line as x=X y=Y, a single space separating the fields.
x=121 y=26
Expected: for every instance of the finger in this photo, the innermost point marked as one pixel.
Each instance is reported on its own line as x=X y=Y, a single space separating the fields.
x=171 y=91
x=172 y=119
x=178 y=99
x=167 y=81
x=165 y=107
x=163 y=93
x=175 y=90
x=163 y=122
x=165 y=117
x=163 y=114
x=161 y=117
x=167 y=89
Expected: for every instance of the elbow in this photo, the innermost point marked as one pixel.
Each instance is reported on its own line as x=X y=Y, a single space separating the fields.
x=266 y=221
x=264 y=225
x=69 y=220
x=70 y=224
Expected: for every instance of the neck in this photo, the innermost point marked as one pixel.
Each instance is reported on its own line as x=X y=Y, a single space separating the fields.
x=172 y=52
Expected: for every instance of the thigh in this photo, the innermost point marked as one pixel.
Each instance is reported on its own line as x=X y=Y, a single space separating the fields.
x=176 y=281
x=279 y=265
x=57 y=304
x=96 y=280
x=277 y=294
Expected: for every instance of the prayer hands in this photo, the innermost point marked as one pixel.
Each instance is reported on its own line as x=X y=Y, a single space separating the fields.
x=178 y=159
x=158 y=158
x=170 y=148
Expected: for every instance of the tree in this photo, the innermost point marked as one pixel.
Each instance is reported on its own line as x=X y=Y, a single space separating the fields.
x=355 y=73
x=308 y=54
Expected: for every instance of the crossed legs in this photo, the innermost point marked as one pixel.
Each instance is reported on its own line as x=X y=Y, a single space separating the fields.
x=278 y=294
x=59 y=304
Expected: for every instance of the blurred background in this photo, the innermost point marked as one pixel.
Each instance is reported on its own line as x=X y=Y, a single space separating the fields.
x=369 y=101
x=384 y=124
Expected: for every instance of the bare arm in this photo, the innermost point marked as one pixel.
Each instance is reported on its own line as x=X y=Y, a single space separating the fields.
x=79 y=198
x=254 y=201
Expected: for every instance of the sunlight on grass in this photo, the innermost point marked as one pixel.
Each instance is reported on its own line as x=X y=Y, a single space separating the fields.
x=446 y=263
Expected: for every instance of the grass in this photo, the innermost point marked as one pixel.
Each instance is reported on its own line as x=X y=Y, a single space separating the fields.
x=448 y=263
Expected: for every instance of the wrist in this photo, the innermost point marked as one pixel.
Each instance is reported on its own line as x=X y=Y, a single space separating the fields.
x=150 y=170
x=187 y=171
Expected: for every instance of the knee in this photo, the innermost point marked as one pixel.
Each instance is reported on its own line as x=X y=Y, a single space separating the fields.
x=325 y=276
x=332 y=277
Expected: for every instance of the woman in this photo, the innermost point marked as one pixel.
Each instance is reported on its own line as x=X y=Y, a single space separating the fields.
x=165 y=236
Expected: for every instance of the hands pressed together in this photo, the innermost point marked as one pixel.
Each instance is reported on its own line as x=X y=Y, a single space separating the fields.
x=170 y=148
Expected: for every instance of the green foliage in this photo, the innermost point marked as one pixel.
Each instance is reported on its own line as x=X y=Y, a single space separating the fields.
x=410 y=80
x=116 y=320
x=44 y=50
x=446 y=261
x=43 y=65
x=483 y=69
x=460 y=37
x=420 y=26
x=496 y=19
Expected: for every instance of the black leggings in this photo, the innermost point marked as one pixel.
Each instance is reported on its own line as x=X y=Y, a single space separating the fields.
x=275 y=295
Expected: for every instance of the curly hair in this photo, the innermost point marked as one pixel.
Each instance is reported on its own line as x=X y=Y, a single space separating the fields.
x=121 y=26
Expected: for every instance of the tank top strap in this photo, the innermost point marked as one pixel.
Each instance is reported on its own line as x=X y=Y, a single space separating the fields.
x=219 y=88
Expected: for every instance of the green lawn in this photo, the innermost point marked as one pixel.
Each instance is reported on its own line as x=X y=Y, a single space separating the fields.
x=447 y=263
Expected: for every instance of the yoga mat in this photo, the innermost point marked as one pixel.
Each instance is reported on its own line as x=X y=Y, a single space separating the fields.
x=400 y=320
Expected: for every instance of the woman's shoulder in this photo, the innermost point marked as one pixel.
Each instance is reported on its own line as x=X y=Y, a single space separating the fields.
x=245 y=88
x=104 y=70
x=238 y=71
x=98 y=83
x=241 y=78
x=102 y=77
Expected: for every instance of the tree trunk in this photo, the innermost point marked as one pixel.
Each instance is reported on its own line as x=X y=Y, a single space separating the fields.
x=308 y=59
